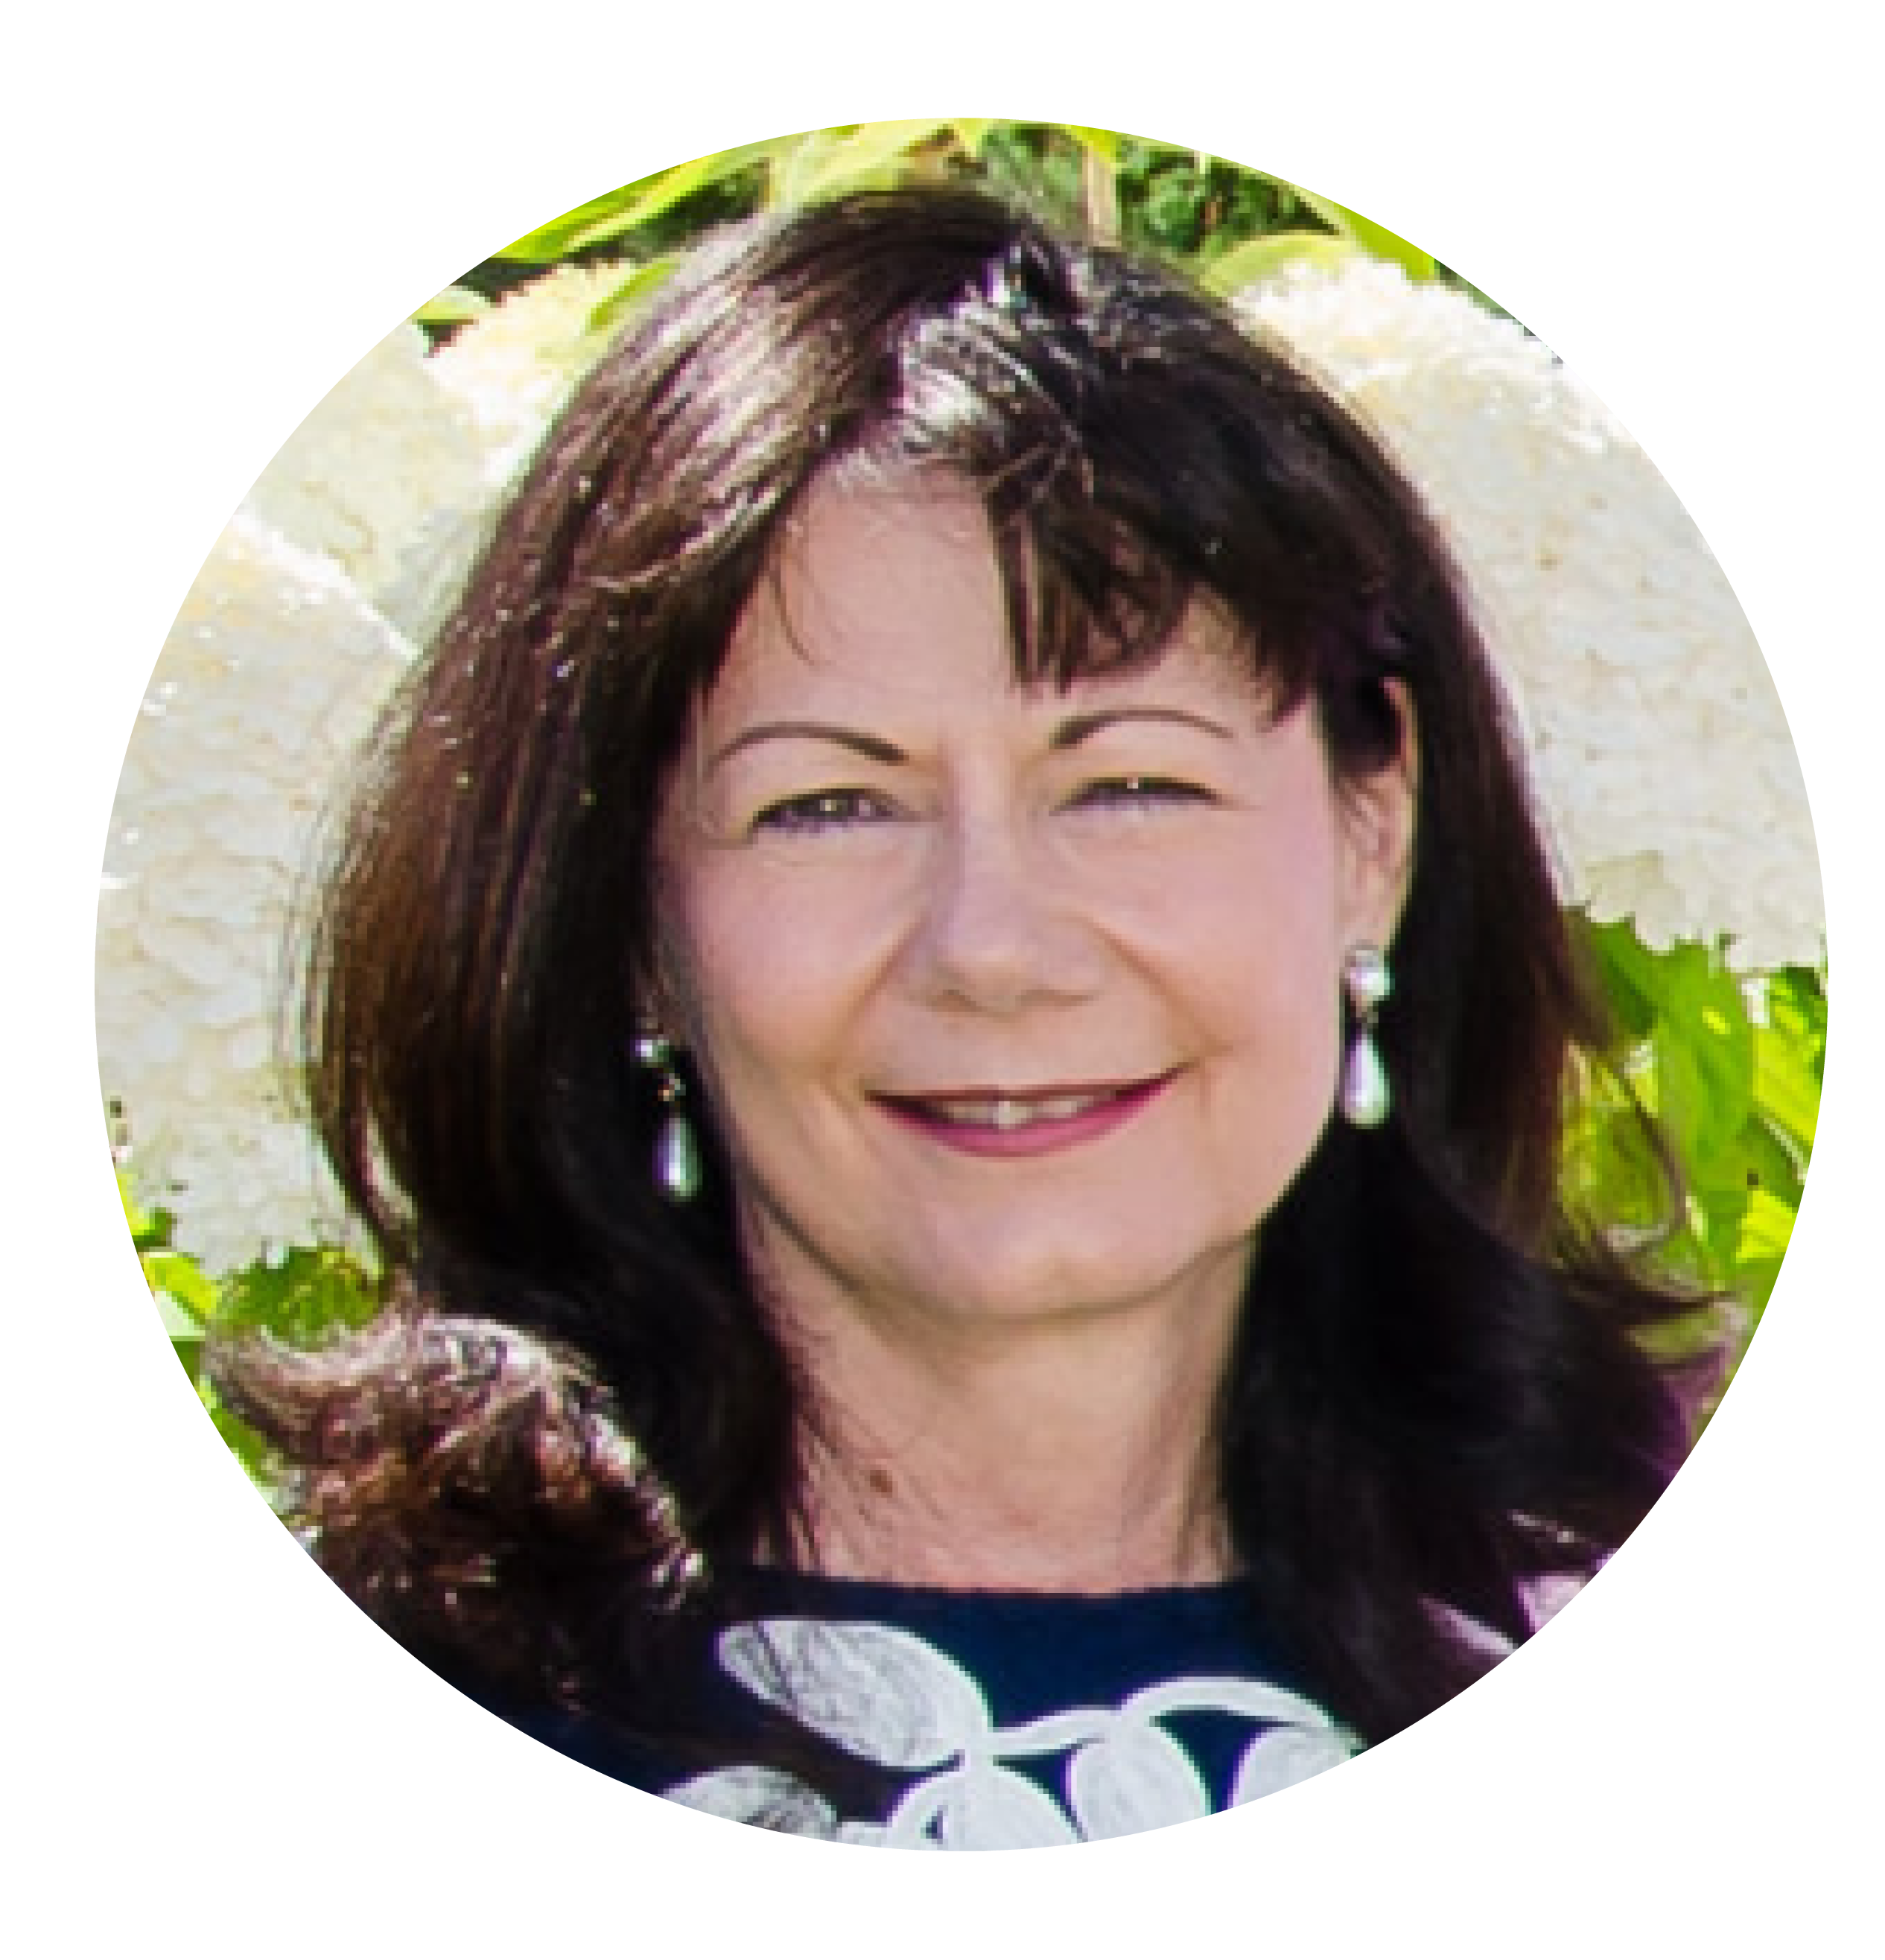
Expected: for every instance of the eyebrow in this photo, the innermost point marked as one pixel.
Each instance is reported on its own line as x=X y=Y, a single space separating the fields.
x=1069 y=734
x=1077 y=727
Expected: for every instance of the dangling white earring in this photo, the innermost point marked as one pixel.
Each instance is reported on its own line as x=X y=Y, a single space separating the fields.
x=677 y=1173
x=1365 y=1098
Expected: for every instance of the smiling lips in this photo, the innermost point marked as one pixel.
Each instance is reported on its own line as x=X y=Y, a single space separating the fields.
x=1011 y=1112
x=1023 y=1123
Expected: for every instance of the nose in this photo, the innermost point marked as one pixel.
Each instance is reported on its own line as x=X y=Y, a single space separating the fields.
x=1000 y=926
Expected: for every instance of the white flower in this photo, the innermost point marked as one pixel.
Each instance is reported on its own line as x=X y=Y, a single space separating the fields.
x=509 y=370
x=1659 y=749
x=344 y=556
x=397 y=473
x=270 y=675
x=499 y=385
x=374 y=487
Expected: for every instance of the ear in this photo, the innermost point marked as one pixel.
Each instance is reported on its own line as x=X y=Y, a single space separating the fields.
x=1378 y=816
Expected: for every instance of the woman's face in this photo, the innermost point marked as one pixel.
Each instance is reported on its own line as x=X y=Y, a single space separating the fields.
x=1009 y=1003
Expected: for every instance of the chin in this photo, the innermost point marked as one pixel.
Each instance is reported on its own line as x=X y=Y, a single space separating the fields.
x=1049 y=1283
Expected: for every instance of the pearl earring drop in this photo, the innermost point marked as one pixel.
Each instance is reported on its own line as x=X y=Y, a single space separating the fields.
x=1365 y=1098
x=677 y=1171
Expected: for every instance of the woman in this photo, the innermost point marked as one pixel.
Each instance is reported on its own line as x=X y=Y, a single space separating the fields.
x=948 y=1015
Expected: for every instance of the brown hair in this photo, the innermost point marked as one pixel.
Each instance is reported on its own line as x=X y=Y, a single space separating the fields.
x=545 y=1464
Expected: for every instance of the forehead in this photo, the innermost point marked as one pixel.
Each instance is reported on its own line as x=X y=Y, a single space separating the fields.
x=879 y=558
x=891 y=592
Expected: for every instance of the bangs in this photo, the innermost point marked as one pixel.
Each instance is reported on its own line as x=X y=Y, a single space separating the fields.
x=1136 y=450
x=1136 y=454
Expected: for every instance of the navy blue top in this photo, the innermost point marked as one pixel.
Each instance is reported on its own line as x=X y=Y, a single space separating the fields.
x=980 y=1720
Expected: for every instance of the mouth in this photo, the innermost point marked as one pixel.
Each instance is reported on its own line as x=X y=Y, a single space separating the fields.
x=1023 y=1122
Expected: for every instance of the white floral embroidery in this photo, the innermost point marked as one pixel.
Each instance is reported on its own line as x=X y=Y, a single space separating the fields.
x=890 y=1698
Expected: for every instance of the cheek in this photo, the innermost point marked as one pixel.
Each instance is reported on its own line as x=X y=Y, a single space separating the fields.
x=1264 y=962
x=1259 y=921
x=1281 y=1040
x=782 y=951
x=1271 y=1097
x=762 y=998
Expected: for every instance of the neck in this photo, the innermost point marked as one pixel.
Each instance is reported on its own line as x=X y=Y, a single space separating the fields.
x=1075 y=1454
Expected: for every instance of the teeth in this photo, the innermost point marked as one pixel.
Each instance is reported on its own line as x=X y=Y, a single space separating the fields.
x=1010 y=1112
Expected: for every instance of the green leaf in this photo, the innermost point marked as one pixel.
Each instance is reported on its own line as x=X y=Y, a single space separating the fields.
x=1614 y=1177
x=1628 y=960
x=608 y=312
x=824 y=163
x=1373 y=239
x=621 y=210
x=1715 y=1215
x=1728 y=1070
x=1166 y=207
x=1023 y=159
x=310 y=1293
x=1787 y=1062
x=1104 y=144
x=1755 y=1159
x=1263 y=257
x=1702 y=1042
x=1766 y=1227
x=1796 y=1004
x=972 y=131
x=175 y=1277
x=1705 y=1074
x=150 y=1227
x=455 y=304
x=1620 y=959
x=1323 y=212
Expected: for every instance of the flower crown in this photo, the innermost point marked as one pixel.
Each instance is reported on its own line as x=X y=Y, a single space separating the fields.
x=1665 y=775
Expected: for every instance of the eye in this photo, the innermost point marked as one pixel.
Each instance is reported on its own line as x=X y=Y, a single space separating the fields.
x=1138 y=793
x=822 y=809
